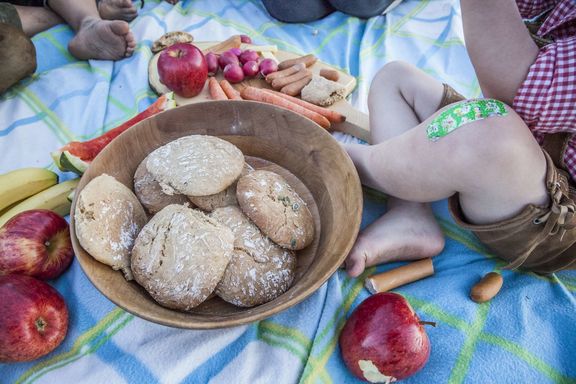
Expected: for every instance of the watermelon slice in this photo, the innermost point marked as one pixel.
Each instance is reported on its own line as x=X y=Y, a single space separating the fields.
x=76 y=156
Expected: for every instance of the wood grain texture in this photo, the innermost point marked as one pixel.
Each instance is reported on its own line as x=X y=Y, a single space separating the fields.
x=356 y=122
x=272 y=138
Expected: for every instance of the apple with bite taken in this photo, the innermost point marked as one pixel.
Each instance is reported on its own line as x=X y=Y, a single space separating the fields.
x=35 y=243
x=183 y=69
x=34 y=318
x=384 y=341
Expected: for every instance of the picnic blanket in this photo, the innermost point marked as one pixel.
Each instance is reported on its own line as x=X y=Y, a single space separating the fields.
x=527 y=334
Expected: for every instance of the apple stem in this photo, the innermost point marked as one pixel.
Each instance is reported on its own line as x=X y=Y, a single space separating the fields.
x=427 y=323
x=177 y=53
x=40 y=324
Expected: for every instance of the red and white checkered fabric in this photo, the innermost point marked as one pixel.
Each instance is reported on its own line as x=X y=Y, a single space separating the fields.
x=547 y=98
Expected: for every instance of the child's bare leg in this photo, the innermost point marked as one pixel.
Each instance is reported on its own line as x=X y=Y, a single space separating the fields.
x=494 y=164
x=36 y=19
x=499 y=46
x=401 y=96
x=95 y=38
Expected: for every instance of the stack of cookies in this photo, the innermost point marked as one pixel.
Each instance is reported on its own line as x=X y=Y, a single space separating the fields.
x=214 y=225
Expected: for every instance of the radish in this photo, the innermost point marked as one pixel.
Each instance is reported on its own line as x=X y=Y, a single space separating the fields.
x=250 y=68
x=248 y=55
x=233 y=73
x=245 y=39
x=228 y=58
x=236 y=51
x=268 y=66
x=212 y=62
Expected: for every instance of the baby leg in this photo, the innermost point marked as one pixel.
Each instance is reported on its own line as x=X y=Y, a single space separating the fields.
x=401 y=96
x=493 y=163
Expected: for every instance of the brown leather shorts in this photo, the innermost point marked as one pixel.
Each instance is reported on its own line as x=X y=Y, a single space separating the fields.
x=540 y=238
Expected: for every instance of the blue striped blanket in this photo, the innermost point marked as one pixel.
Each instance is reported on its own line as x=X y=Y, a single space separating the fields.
x=527 y=334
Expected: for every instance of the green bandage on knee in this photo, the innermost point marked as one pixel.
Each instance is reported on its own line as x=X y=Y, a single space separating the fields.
x=463 y=113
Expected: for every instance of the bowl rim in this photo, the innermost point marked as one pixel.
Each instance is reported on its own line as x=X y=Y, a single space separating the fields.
x=353 y=224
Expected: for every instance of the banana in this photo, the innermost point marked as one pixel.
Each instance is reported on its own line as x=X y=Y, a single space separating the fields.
x=22 y=183
x=54 y=198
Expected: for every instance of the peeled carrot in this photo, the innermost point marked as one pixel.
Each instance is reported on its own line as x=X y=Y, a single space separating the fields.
x=256 y=94
x=229 y=90
x=216 y=91
x=331 y=115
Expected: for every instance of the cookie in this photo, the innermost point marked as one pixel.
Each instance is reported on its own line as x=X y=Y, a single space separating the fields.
x=259 y=270
x=107 y=218
x=222 y=199
x=269 y=201
x=180 y=256
x=149 y=192
x=196 y=165
x=323 y=92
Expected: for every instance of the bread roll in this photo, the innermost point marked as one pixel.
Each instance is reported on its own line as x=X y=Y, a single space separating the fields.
x=150 y=193
x=196 y=165
x=107 y=218
x=180 y=256
x=280 y=213
x=259 y=270
x=222 y=199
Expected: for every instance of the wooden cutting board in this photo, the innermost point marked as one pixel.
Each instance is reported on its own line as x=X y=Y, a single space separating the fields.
x=356 y=123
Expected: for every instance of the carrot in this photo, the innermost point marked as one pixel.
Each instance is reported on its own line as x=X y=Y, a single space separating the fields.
x=256 y=94
x=216 y=91
x=332 y=116
x=229 y=90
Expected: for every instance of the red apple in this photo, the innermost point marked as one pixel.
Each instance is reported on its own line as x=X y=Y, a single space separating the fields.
x=34 y=318
x=35 y=243
x=383 y=340
x=182 y=67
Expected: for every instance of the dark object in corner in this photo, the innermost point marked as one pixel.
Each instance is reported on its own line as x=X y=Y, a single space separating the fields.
x=17 y=56
x=298 y=11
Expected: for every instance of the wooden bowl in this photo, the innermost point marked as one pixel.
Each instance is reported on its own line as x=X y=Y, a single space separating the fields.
x=297 y=147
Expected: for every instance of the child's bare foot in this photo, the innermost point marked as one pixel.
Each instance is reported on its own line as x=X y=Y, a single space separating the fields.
x=103 y=40
x=408 y=231
x=117 y=10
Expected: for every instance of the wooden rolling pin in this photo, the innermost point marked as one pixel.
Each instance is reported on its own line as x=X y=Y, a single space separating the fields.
x=397 y=277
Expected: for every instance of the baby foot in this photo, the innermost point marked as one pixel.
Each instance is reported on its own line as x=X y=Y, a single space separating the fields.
x=407 y=231
x=117 y=10
x=103 y=40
